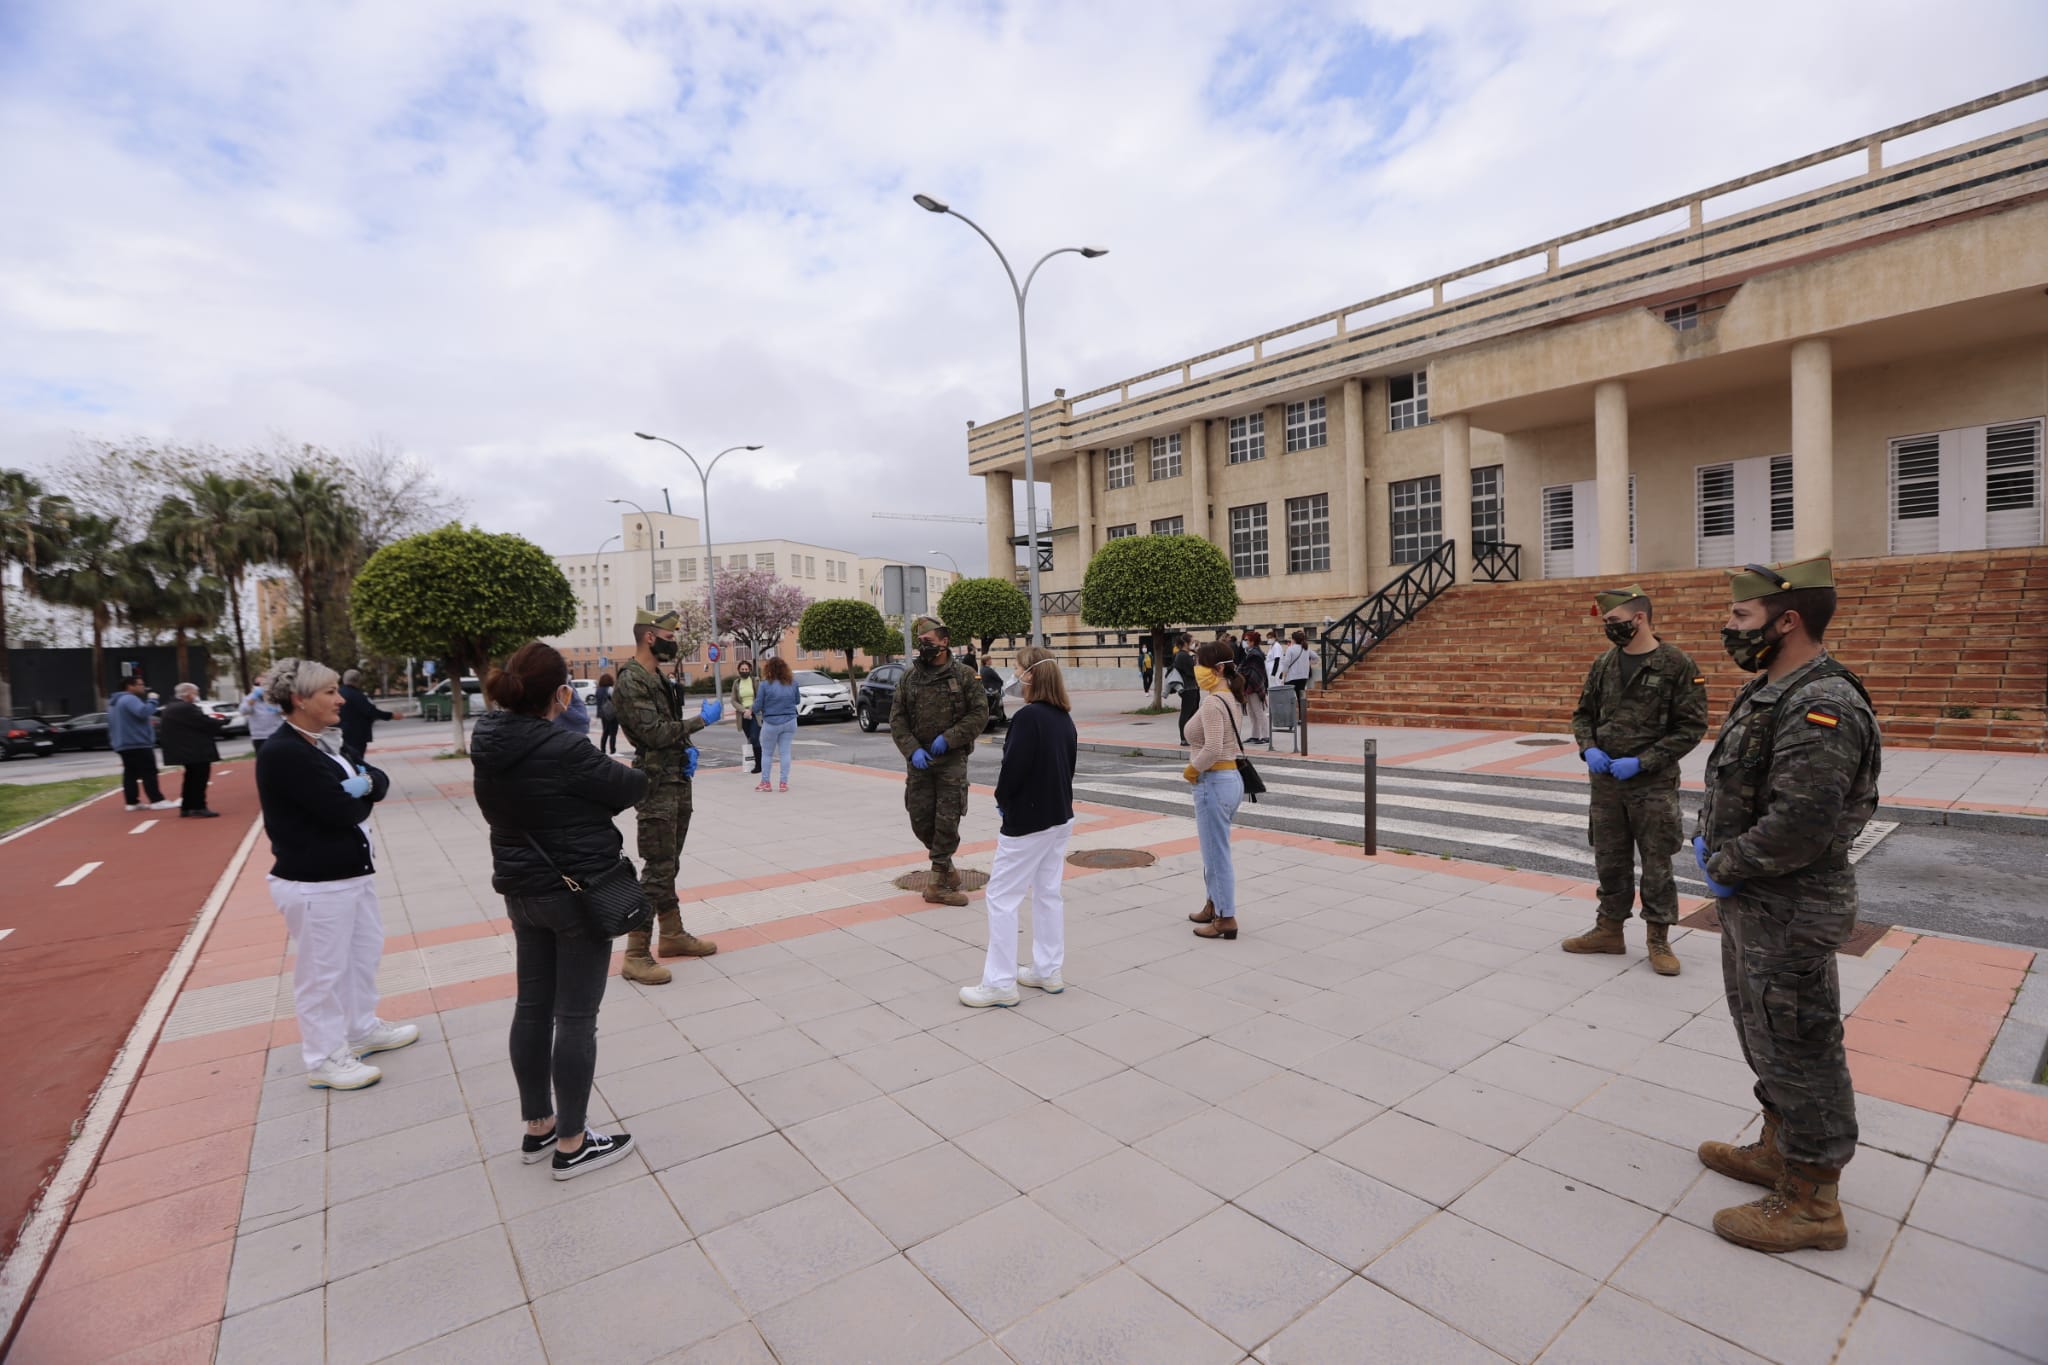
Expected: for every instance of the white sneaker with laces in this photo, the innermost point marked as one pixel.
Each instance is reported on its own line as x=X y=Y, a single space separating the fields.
x=981 y=997
x=385 y=1038
x=343 y=1072
x=1051 y=985
x=168 y=803
x=137 y=805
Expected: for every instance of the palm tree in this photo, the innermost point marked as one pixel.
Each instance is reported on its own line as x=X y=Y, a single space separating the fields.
x=315 y=531
x=93 y=573
x=32 y=525
x=166 y=592
x=217 y=523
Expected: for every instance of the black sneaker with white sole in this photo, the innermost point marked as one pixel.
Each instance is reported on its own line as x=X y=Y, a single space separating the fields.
x=537 y=1149
x=598 y=1149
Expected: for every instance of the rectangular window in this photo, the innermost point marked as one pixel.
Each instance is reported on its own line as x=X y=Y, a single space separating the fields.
x=810 y=567
x=1129 y=528
x=1488 y=527
x=1416 y=511
x=1169 y=526
x=664 y=570
x=2012 y=485
x=1407 y=400
x=1308 y=534
x=1308 y=424
x=1683 y=317
x=1120 y=467
x=765 y=561
x=1781 y=507
x=1248 y=557
x=1166 y=456
x=736 y=562
x=1248 y=438
x=689 y=568
x=1916 y=495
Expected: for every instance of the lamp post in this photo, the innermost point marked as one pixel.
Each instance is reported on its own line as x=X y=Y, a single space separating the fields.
x=597 y=586
x=1023 y=293
x=950 y=560
x=647 y=524
x=711 y=582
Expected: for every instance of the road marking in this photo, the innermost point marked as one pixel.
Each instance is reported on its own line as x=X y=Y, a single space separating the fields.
x=141 y=827
x=5 y=932
x=80 y=875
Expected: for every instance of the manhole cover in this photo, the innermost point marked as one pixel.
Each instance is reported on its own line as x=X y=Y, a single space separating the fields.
x=970 y=879
x=1541 y=743
x=1101 y=858
x=1861 y=939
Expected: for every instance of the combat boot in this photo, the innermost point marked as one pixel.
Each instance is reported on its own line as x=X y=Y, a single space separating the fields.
x=940 y=887
x=1803 y=1211
x=1603 y=937
x=640 y=965
x=676 y=941
x=1759 y=1162
x=1662 y=960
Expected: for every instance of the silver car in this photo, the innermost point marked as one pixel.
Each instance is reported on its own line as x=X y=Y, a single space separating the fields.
x=821 y=698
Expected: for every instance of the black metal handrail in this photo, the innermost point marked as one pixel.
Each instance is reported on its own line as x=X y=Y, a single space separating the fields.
x=1496 y=561
x=1063 y=603
x=1386 y=611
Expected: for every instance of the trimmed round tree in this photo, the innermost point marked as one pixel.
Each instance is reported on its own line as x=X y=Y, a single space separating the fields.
x=463 y=595
x=842 y=623
x=1153 y=582
x=983 y=608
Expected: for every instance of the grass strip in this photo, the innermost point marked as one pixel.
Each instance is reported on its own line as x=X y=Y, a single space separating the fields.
x=26 y=802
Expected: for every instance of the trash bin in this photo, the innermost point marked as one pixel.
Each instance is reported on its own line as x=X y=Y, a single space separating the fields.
x=436 y=707
x=1281 y=699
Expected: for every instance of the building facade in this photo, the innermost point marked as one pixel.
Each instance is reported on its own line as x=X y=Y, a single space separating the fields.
x=1746 y=372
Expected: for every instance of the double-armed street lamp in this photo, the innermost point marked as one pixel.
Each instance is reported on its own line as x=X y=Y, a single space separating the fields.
x=647 y=525
x=1022 y=292
x=711 y=579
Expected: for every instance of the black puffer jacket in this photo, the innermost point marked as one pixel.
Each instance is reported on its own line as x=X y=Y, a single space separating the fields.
x=536 y=778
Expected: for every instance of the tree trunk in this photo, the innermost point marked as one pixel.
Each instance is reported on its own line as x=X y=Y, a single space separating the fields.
x=1158 y=666
x=241 y=645
x=184 y=656
x=458 y=702
x=6 y=670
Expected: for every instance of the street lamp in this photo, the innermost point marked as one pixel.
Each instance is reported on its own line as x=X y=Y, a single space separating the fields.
x=647 y=524
x=950 y=560
x=711 y=579
x=1023 y=292
x=597 y=586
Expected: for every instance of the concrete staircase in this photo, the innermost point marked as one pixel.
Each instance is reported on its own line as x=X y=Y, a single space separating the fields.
x=1954 y=649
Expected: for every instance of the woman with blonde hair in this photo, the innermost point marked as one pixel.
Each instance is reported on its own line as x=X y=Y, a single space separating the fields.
x=1035 y=801
x=1213 y=747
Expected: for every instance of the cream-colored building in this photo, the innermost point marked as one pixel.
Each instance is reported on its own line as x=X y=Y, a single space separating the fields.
x=1747 y=372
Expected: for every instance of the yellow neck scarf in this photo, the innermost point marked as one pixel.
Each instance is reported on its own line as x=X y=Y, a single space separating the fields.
x=1208 y=679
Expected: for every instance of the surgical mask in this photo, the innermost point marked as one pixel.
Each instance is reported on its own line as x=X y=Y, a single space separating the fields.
x=1751 y=649
x=1620 y=632
x=1015 y=687
x=662 y=649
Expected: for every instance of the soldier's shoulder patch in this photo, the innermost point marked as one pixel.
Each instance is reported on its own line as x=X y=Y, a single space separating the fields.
x=1816 y=715
x=1700 y=681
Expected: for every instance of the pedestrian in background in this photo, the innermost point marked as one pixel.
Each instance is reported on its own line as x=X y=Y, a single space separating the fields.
x=1212 y=770
x=316 y=810
x=1251 y=666
x=607 y=715
x=189 y=734
x=743 y=688
x=775 y=700
x=551 y=802
x=359 y=716
x=939 y=712
x=1145 y=666
x=1296 y=664
x=131 y=729
x=575 y=717
x=1183 y=666
x=1035 y=802
x=265 y=719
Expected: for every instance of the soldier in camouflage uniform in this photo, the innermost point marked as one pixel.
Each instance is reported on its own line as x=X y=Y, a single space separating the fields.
x=1791 y=783
x=650 y=711
x=939 y=711
x=1643 y=708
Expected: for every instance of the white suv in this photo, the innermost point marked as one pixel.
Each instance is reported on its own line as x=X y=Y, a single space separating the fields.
x=821 y=698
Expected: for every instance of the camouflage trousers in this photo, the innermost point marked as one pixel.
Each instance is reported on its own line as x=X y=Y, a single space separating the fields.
x=664 y=825
x=1778 y=969
x=936 y=799
x=1626 y=819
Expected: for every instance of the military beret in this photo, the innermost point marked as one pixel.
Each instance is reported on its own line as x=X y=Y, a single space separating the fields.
x=1752 y=581
x=1608 y=601
x=667 y=620
x=925 y=623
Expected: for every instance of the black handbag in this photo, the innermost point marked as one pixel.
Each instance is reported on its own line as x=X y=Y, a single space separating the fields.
x=612 y=902
x=1253 y=783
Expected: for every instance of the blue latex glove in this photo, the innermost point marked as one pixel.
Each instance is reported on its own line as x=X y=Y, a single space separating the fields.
x=1699 y=855
x=920 y=760
x=939 y=747
x=690 y=762
x=710 y=711
x=1623 y=769
x=1598 y=761
x=357 y=786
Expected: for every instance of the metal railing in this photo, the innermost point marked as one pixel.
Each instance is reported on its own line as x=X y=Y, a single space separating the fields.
x=1064 y=603
x=1496 y=561
x=1386 y=611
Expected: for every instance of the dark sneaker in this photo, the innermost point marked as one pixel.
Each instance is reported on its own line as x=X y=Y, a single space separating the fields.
x=537 y=1149
x=598 y=1150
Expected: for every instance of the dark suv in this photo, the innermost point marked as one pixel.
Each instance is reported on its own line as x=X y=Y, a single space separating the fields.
x=25 y=736
x=878 y=693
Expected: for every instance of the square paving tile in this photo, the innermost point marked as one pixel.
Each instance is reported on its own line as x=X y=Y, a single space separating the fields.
x=923 y=1194
x=1969 y=1290
x=1884 y=1334
x=773 y=1257
x=509 y=1338
x=983 y=1034
x=741 y=1345
x=1485 y=1113
x=1130 y=1105
x=849 y=1141
x=1759 y=1302
x=521 y=1188
x=1995 y=1158
x=1444 y=1046
x=696 y=1127
x=1055 y=1066
x=1567 y=1220
x=655 y=1085
x=1282 y=1041
x=1525 y=1300
x=1539 y=1075
x=1119 y=1318
x=1035 y=1145
x=1240 y=1276
x=639 y=1312
x=739 y=1182
x=1005 y=1264
x=1126 y=1201
x=808 y=1091
x=430 y=1148
x=1610 y=1049
x=1209 y=1070
x=1299 y=1107
x=420 y=1297
x=1432 y=1163
x=1668 y=1115
x=1362 y=1312
x=1616 y=1327
x=397 y=1222
x=1222 y=1152
x=569 y=1243
x=290 y=1329
x=2004 y=1222
x=904 y=1062
x=887 y=1312
x=1133 y=1037
x=1347 y=1216
x=965 y=1100
x=388 y=1109
x=764 y=1054
x=1652 y=1173
x=1373 y=1073
x=279 y=1262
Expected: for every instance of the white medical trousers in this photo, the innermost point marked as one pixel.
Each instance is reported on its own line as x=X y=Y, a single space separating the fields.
x=337 y=930
x=1033 y=863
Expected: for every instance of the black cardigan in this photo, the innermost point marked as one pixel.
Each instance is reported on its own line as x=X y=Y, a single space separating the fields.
x=1035 y=790
x=188 y=734
x=314 y=826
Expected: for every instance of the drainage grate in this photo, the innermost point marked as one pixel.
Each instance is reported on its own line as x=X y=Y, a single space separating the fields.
x=1861 y=939
x=1102 y=858
x=1541 y=743
x=970 y=879
x=1867 y=840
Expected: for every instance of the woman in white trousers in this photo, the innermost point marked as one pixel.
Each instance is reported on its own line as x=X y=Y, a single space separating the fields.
x=316 y=809
x=1035 y=799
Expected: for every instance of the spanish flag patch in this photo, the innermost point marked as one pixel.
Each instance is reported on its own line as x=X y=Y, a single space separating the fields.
x=1822 y=718
x=1700 y=681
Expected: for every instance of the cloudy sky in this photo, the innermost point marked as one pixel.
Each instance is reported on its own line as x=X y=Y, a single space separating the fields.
x=503 y=236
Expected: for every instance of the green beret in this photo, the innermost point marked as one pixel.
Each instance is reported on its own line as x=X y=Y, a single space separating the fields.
x=925 y=623
x=668 y=620
x=1752 y=581
x=1608 y=601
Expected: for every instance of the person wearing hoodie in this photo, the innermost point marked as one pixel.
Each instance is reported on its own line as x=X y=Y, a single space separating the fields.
x=551 y=800
x=131 y=729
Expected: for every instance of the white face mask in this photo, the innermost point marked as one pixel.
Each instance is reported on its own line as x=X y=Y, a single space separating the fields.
x=1015 y=687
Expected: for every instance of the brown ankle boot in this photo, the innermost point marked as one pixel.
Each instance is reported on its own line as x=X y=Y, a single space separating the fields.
x=1662 y=960
x=1603 y=937
x=1803 y=1211
x=940 y=887
x=1759 y=1162
x=676 y=941
x=1208 y=913
x=1222 y=927
x=640 y=965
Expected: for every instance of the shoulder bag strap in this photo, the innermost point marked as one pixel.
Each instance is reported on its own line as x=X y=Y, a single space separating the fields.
x=1233 y=727
x=567 y=880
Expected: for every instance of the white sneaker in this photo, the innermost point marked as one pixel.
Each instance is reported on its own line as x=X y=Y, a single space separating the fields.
x=385 y=1038
x=981 y=997
x=342 y=1072
x=137 y=805
x=168 y=803
x=1051 y=985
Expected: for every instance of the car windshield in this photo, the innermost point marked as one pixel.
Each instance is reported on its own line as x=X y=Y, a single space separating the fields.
x=807 y=678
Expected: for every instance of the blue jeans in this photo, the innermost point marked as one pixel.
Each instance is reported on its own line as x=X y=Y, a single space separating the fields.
x=776 y=736
x=1217 y=797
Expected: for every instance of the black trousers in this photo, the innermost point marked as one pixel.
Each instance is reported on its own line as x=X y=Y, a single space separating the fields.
x=1190 y=702
x=751 y=728
x=562 y=969
x=608 y=741
x=138 y=774
x=194 y=795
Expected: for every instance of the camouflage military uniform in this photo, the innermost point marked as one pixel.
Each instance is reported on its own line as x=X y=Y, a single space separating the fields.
x=650 y=712
x=1791 y=783
x=930 y=701
x=1657 y=717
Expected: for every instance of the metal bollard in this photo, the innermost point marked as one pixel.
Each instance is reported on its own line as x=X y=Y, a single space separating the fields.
x=1301 y=722
x=1372 y=797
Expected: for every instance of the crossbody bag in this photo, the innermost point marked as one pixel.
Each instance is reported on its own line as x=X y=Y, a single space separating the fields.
x=1253 y=783
x=612 y=902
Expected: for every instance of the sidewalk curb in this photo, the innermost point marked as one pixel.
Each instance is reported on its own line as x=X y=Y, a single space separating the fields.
x=23 y=1269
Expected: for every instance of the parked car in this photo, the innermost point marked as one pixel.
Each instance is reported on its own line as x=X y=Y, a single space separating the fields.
x=231 y=712
x=878 y=694
x=436 y=700
x=26 y=737
x=821 y=698
x=586 y=689
x=88 y=731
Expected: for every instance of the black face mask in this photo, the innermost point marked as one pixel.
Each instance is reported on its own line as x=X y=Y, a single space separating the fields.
x=1620 y=632
x=928 y=653
x=662 y=650
x=1752 y=649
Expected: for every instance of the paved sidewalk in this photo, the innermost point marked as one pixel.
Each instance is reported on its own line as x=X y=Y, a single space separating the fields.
x=1390 y=1122
x=1937 y=779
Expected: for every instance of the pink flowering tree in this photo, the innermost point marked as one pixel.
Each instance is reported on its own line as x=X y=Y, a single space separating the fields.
x=755 y=608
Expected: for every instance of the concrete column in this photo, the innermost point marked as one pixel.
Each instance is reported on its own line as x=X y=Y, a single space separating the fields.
x=1813 y=446
x=1086 y=464
x=1457 y=489
x=1610 y=470
x=1000 y=496
x=1353 y=501
x=1197 y=456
